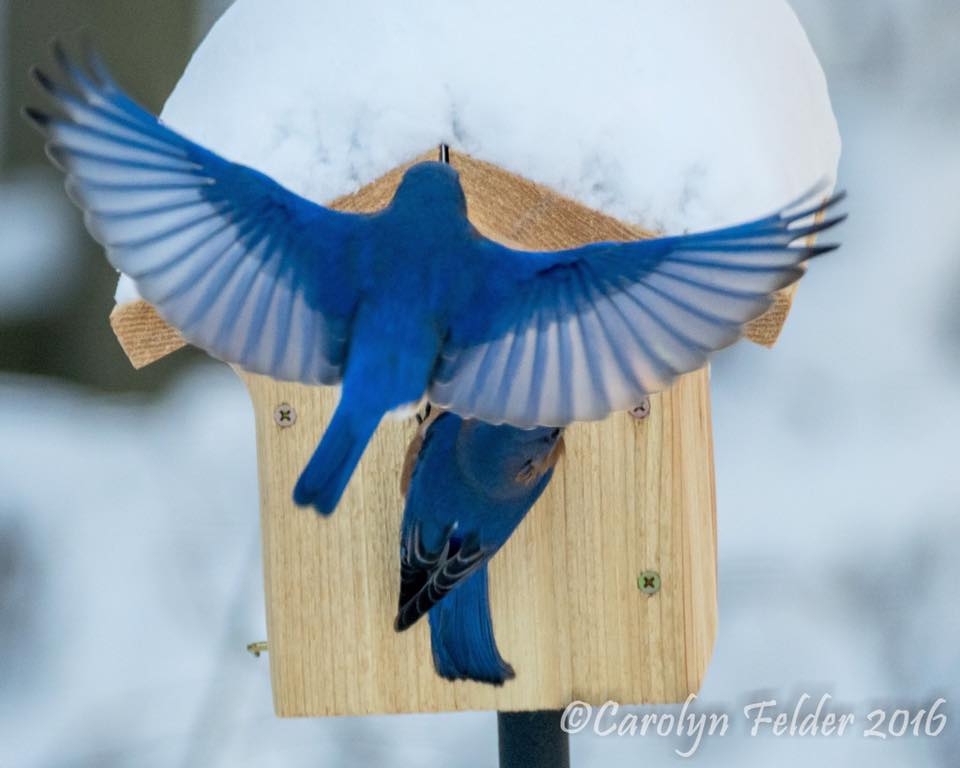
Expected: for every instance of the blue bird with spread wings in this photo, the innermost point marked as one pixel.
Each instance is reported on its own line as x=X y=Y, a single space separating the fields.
x=407 y=302
x=468 y=485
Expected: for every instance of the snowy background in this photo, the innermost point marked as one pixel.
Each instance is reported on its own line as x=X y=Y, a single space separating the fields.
x=126 y=599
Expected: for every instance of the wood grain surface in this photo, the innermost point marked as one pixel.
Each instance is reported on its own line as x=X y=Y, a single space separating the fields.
x=630 y=495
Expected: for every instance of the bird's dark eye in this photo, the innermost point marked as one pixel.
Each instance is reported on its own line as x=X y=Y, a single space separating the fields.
x=423 y=415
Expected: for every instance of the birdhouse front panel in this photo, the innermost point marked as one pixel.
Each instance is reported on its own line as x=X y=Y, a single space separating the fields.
x=607 y=590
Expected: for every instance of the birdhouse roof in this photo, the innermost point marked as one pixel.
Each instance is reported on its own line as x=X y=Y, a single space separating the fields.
x=503 y=206
x=666 y=117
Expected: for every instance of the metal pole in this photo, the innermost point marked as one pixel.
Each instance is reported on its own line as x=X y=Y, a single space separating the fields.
x=532 y=740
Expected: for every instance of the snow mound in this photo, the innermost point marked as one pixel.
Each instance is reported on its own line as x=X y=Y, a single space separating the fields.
x=676 y=116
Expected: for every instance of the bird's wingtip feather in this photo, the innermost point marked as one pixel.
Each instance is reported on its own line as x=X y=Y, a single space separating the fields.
x=38 y=119
x=43 y=80
x=58 y=156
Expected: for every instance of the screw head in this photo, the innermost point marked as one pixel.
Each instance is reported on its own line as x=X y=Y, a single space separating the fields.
x=648 y=582
x=285 y=415
x=642 y=410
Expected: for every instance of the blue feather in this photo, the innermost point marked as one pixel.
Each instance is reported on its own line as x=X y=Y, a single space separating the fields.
x=325 y=477
x=471 y=486
x=461 y=635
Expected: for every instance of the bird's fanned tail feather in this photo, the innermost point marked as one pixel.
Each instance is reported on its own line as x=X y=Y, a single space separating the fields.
x=325 y=477
x=461 y=634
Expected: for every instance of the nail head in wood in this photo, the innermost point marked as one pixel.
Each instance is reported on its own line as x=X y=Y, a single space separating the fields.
x=642 y=410
x=285 y=415
x=648 y=582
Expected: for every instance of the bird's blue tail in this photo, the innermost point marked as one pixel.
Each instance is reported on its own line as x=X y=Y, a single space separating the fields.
x=461 y=634
x=325 y=477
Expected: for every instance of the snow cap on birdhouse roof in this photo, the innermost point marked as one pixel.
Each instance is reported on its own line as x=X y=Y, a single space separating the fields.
x=668 y=117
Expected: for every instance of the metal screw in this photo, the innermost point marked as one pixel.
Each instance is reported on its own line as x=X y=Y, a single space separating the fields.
x=257 y=648
x=648 y=582
x=642 y=410
x=285 y=415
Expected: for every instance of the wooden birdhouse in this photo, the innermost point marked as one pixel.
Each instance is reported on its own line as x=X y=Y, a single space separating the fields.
x=608 y=590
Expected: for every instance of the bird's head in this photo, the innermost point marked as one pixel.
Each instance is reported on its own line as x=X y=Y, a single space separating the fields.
x=433 y=187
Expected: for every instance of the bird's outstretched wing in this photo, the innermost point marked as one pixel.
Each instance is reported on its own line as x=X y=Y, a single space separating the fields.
x=427 y=577
x=574 y=335
x=244 y=268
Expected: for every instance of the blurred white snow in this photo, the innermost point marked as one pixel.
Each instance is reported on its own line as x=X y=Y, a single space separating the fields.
x=36 y=264
x=681 y=116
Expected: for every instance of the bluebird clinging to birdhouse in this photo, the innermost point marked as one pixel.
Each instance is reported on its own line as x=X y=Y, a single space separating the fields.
x=410 y=301
x=468 y=485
